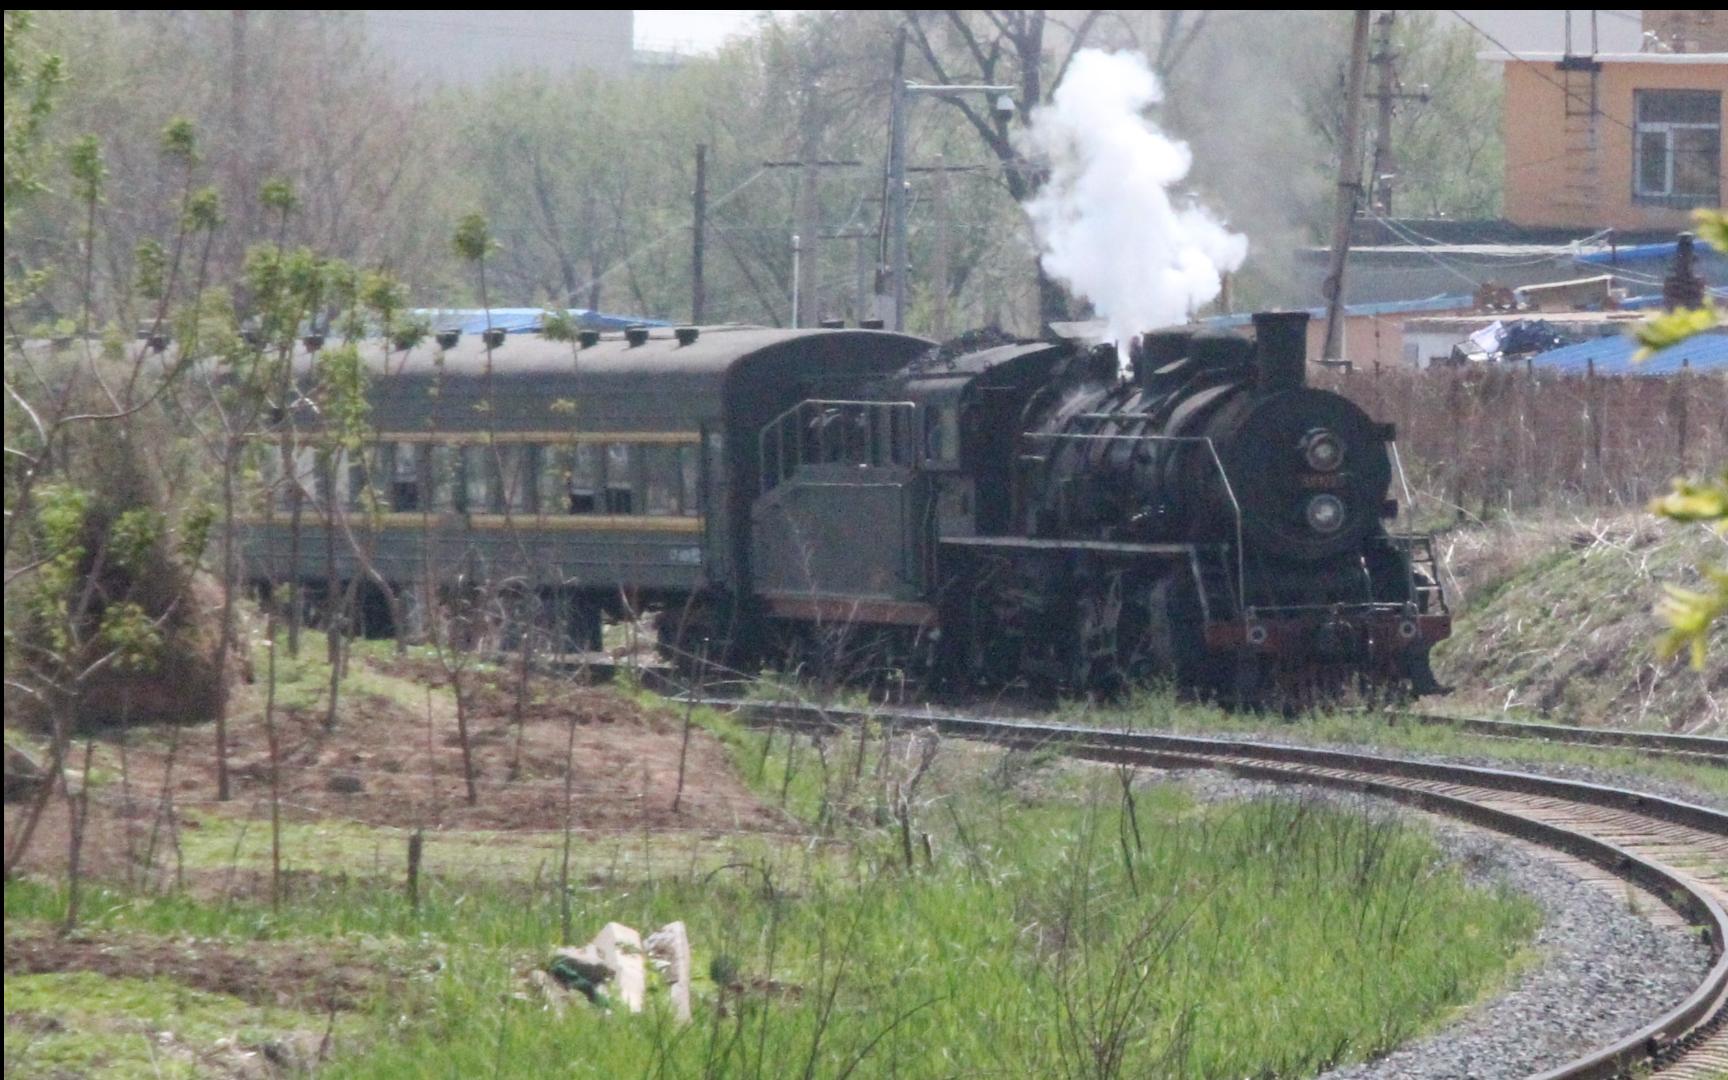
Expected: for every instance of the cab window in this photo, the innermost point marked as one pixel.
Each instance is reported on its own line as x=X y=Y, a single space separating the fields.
x=941 y=434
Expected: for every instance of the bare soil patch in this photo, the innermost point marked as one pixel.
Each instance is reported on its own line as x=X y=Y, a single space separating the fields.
x=316 y=976
x=394 y=759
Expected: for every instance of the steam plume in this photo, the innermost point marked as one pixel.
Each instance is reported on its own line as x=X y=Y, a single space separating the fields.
x=1106 y=224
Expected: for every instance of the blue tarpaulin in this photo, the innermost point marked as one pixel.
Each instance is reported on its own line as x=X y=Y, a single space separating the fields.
x=523 y=320
x=1644 y=252
x=1613 y=356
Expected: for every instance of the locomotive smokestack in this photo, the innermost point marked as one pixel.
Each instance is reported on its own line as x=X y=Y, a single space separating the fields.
x=1157 y=349
x=1281 y=349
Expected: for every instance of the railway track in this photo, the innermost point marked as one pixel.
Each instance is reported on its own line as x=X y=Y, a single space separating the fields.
x=1698 y=749
x=1701 y=749
x=1676 y=851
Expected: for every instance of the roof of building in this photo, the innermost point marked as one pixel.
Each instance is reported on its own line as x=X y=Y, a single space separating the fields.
x=1592 y=322
x=1501 y=56
x=1096 y=329
x=1613 y=356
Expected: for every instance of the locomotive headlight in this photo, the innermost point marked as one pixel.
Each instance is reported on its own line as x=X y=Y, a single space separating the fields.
x=1322 y=450
x=1325 y=513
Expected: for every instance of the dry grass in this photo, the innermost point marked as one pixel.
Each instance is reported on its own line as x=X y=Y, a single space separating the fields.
x=1483 y=442
x=1556 y=617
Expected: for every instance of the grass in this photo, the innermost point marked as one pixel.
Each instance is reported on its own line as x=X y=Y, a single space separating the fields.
x=84 y=1024
x=1158 y=711
x=951 y=908
x=1052 y=927
x=1599 y=580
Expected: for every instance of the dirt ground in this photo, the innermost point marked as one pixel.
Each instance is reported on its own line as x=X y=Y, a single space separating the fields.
x=385 y=764
x=263 y=973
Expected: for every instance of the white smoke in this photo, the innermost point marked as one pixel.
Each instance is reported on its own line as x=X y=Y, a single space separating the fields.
x=1106 y=223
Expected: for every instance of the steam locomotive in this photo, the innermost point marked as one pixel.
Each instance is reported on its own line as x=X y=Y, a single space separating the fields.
x=857 y=499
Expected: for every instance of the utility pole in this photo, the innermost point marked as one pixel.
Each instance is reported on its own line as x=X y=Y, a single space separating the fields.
x=1382 y=60
x=806 y=304
x=1386 y=97
x=895 y=317
x=240 y=111
x=807 y=309
x=1349 y=186
x=940 y=271
x=863 y=280
x=797 y=278
x=899 y=97
x=700 y=214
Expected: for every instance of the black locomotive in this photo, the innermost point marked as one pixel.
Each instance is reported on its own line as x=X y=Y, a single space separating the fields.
x=1015 y=514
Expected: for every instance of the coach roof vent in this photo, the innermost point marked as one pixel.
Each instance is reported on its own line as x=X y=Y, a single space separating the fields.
x=494 y=336
x=871 y=324
x=447 y=339
x=587 y=338
x=636 y=335
x=687 y=335
x=832 y=324
x=313 y=342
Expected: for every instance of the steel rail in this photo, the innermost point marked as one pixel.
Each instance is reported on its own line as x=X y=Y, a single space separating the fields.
x=1696 y=747
x=1461 y=791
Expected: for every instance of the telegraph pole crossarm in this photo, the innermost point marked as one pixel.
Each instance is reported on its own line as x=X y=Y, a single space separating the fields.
x=897 y=168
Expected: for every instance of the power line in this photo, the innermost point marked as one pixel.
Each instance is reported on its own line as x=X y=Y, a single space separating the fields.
x=1543 y=75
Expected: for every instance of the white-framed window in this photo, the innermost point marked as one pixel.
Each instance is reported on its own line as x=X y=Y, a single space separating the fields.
x=1677 y=147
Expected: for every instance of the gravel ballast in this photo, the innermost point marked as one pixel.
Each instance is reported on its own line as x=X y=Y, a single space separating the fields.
x=1600 y=968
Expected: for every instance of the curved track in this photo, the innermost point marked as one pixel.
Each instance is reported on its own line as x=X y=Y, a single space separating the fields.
x=1678 y=851
x=1696 y=748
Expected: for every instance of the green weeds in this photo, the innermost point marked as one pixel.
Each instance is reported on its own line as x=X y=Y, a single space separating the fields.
x=1066 y=928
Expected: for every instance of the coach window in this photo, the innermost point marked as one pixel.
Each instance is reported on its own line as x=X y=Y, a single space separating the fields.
x=303 y=473
x=266 y=458
x=407 y=484
x=511 y=471
x=331 y=476
x=689 y=479
x=441 y=475
x=471 y=488
x=620 y=478
x=663 y=480
x=359 y=480
x=585 y=479
x=554 y=476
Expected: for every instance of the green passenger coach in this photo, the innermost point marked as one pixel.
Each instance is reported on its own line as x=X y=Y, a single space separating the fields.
x=609 y=475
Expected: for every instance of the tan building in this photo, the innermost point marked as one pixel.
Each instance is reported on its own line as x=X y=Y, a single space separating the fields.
x=1629 y=141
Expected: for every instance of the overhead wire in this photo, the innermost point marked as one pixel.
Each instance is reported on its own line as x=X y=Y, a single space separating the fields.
x=669 y=234
x=1595 y=108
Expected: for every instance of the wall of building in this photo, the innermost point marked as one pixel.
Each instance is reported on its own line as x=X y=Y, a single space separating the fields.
x=1548 y=177
x=1370 y=341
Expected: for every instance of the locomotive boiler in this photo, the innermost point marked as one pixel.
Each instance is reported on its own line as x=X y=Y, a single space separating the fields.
x=1233 y=523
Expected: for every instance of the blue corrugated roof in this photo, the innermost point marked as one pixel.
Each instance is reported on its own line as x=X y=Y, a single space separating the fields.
x=1613 y=356
x=521 y=320
x=1643 y=252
